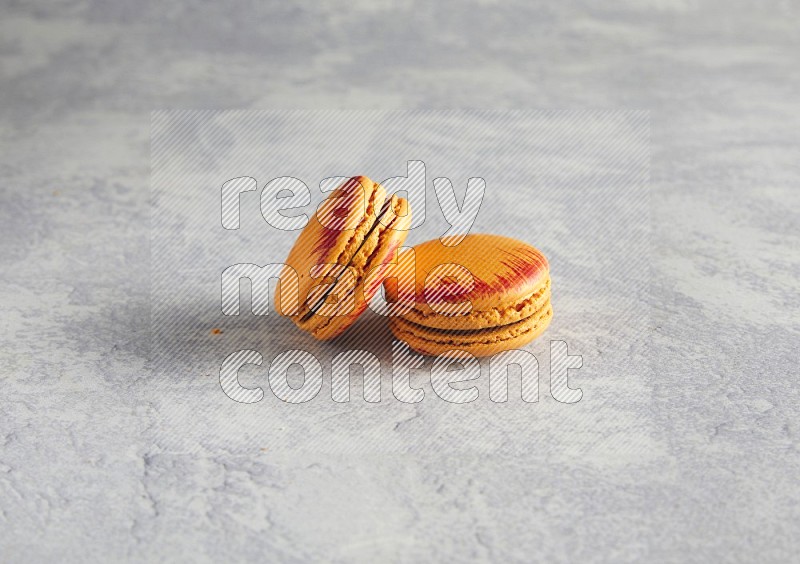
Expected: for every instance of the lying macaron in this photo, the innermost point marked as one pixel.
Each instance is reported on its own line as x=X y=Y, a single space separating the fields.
x=341 y=255
x=485 y=295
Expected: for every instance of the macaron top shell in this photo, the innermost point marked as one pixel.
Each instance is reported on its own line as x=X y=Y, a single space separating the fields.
x=484 y=281
x=333 y=234
x=356 y=229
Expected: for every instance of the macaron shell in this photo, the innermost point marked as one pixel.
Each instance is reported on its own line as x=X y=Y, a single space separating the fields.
x=510 y=279
x=479 y=343
x=374 y=256
x=333 y=234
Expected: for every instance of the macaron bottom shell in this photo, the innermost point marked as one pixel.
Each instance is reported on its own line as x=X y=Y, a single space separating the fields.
x=481 y=342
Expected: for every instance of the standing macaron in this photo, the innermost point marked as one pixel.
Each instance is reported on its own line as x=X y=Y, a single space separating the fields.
x=341 y=255
x=485 y=295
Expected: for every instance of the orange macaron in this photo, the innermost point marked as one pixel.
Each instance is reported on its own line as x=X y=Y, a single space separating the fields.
x=341 y=255
x=484 y=295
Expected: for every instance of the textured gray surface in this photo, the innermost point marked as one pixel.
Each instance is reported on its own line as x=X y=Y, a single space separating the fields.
x=706 y=471
x=553 y=179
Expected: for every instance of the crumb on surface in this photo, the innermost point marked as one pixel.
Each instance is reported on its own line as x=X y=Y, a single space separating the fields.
x=216 y=331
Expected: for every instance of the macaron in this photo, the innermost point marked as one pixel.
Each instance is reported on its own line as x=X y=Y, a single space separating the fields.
x=341 y=256
x=485 y=295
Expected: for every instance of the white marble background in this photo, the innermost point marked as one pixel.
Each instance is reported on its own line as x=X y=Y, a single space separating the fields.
x=708 y=471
